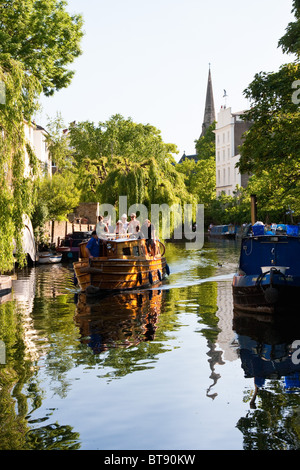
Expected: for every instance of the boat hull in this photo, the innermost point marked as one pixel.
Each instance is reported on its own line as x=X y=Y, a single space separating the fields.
x=265 y=297
x=51 y=259
x=107 y=275
x=268 y=279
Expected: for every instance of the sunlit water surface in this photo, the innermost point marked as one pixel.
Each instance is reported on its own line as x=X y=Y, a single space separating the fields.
x=170 y=368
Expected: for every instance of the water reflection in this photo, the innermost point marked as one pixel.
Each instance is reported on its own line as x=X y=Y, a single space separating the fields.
x=266 y=350
x=176 y=346
x=122 y=320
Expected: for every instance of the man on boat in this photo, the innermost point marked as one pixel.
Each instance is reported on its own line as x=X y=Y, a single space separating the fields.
x=148 y=231
x=93 y=246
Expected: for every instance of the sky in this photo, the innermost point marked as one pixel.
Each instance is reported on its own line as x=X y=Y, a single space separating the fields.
x=149 y=60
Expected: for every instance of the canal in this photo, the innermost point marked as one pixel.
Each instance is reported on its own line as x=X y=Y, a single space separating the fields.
x=172 y=368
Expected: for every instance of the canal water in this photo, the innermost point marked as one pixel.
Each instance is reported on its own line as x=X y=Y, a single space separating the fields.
x=169 y=368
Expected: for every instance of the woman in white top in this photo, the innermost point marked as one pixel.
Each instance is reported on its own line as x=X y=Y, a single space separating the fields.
x=119 y=228
x=124 y=222
x=101 y=227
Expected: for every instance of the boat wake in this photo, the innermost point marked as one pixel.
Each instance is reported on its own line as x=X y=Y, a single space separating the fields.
x=180 y=285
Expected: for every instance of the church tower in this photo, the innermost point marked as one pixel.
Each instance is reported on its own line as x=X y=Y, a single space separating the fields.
x=209 y=113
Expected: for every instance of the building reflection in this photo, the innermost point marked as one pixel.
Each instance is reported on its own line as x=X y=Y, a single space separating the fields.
x=121 y=320
x=221 y=349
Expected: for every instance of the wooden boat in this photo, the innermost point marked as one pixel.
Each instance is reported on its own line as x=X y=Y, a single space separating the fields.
x=49 y=258
x=124 y=264
x=268 y=279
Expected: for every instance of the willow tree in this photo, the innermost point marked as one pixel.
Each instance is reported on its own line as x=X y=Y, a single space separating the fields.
x=122 y=158
x=17 y=187
x=38 y=41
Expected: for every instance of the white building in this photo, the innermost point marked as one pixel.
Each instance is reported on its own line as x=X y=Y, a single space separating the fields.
x=35 y=136
x=229 y=130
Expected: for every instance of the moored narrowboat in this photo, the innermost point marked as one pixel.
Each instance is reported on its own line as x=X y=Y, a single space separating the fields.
x=223 y=231
x=68 y=247
x=124 y=264
x=268 y=278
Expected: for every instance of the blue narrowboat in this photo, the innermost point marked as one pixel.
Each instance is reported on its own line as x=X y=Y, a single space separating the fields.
x=223 y=231
x=268 y=277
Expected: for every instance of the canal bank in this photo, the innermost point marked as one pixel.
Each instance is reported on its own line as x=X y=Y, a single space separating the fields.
x=5 y=285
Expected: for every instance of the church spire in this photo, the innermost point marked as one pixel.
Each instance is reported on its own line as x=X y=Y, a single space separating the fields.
x=209 y=113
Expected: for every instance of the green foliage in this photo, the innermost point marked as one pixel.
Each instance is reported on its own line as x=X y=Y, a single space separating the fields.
x=59 y=195
x=230 y=209
x=273 y=139
x=200 y=178
x=44 y=37
x=290 y=42
x=17 y=194
x=58 y=144
x=270 y=151
x=205 y=145
x=200 y=175
x=120 y=157
x=38 y=40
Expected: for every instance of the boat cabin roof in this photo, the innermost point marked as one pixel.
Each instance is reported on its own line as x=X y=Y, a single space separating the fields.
x=123 y=248
x=261 y=230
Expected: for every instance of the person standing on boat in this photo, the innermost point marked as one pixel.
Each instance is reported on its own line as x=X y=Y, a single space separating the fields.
x=93 y=246
x=124 y=222
x=148 y=231
x=101 y=227
x=139 y=234
x=133 y=223
x=120 y=229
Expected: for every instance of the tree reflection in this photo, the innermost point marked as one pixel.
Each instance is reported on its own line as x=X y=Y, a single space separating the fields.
x=52 y=437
